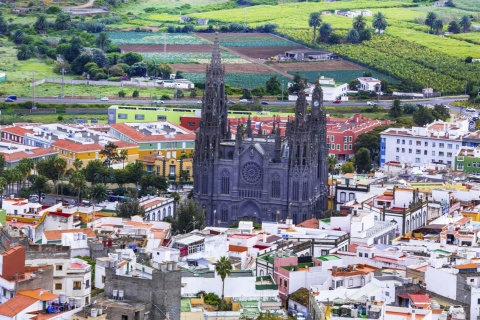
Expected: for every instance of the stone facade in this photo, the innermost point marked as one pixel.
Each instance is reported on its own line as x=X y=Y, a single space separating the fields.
x=255 y=176
x=161 y=292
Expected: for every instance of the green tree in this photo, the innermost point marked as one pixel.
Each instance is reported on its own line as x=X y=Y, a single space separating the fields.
x=359 y=23
x=105 y=175
x=3 y=185
x=135 y=93
x=258 y=92
x=102 y=41
x=123 y=156
x=77 y=164
x=63 y=21
x=78 y=182
x=353 y=36
x=3 y=26
x=39 y=185
x=331 y=162
x=18 y=36
x=325 y=32
x=431 y=17
x=131 y=58
x=136 y=171
x=298 y=83
x=334 y=39
x=189 y=215
x=423 y=116
x=440 y=112
x=138 y=69
x=25 y=52
x=130 y=208
x=3 y=163
x=121 y=177
x=109 y=152
x=122 y=94
x=348 y=167
x=379 y=22
x=438 y=26
x=453 y=27
x=224 y=269
x=365 y=35
x=314 y=21
x=98 y=192
x=60 y=165
x=363 y=160
x=41 y=24
x=53 y=10
x=273 y=86
x=92 y=170
x=465 y=22
x=25 y=166
x=396 y=109
x=151 y=183
x=46 y=168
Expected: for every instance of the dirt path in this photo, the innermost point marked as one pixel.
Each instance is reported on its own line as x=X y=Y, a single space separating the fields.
x=86 y=5
x=275 y=70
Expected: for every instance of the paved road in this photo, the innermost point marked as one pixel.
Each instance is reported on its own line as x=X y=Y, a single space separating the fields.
x=383 y=103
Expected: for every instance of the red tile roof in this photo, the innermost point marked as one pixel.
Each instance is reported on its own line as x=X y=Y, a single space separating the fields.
x=311 y=223
x=17 y=131
x=77 y=147
x=234 y=248
x=384 y=198
x=140 y=137
x=16 y=305
x=39 y=294
x=55 y=235
x=125 y=144
x=33 y=153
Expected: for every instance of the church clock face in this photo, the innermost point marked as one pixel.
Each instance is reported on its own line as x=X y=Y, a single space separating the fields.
x=316 y=103
x=251 y=172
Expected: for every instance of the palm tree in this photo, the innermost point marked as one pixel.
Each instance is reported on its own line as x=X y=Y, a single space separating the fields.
x=153 y=68
x=359 y=23
x=353 y=36
x=123 y=156
x=331 y=162
x=99 y=192
x=325 y=32
x=104 y=175
x=60 y=165
x=26 y=166
x=18 y=36
x=9 y=178
x=41 y=24
x=223 y=268
x=77 y=164
x=314 y=21
x=3 y=185
x=431 y=17
x=78 y=182
x=103 y=41
x=39 y=185
x=438 y=26
x=465 y=22
x=379 y=22
x=453 y=27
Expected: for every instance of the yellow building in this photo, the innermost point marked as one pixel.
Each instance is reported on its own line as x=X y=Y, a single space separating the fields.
x=87 y=152
x=171 y=169
x=163 y=138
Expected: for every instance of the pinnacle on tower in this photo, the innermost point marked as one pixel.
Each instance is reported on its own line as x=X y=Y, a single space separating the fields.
x=216 y=59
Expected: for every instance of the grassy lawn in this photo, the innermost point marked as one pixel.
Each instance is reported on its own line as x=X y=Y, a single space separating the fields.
x=53 y=118
x=137 y=7
x=55 y=90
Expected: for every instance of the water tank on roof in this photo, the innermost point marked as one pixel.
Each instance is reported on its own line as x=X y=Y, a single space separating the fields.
x=94 y=312
x=62 y=297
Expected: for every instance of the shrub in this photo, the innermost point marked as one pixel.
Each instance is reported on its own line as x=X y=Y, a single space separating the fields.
x=121 y=94
x=135 y=94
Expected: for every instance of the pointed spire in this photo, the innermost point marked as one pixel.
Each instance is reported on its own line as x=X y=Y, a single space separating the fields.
x=216 y=60
x=248 y=129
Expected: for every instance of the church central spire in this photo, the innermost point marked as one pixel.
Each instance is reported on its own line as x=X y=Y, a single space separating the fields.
x=216 y=58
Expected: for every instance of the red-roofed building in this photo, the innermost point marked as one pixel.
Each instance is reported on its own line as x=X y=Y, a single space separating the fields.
x=14 y=153
x=14 y=134
x=162 y=138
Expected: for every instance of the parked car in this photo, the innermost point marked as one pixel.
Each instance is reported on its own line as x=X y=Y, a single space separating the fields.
x=469 y=109
x=158 y=102
x=199 y=102
x=230 y=102
x=13 y=97
x=9 y=100
x=370 y=103
x=104 y=99
x=265 y=102
x=243 y=100
x=446 y=107
x=337 y=101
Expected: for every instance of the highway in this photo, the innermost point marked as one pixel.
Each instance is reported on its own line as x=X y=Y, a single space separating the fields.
x=382 y=103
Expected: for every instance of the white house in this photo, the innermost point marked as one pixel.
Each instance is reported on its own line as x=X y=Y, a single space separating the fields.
x=437 y=142
x=331 y=90
x=157 y=208
x=123 y=260
x=369 y=84
x=72 y=278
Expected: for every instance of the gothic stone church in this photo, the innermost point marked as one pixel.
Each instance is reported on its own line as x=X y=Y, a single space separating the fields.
x=254 y=176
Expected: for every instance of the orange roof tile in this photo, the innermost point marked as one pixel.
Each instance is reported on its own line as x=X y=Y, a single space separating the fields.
x=53 y=235
x=17 y=131
x=77 y=147
x=121 y=264
x=467 y=266
x=125 y=144
x=151 y=204
x=311 y=223
x=39 y=294
x=33 y=153
x=16 y=305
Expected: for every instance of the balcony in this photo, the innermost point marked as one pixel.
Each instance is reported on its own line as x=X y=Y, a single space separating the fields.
x=172 y=176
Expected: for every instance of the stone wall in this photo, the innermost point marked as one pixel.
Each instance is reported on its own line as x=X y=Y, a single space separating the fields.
x=162 y=291
x=43 y=279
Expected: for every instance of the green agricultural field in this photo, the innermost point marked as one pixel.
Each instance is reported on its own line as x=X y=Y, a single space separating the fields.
x=252 y=40
x=153 y=38
x=191 y=57
x=240 y=80
x=53 y=118
x=138 y=7
x=472 y=37
x=341 y=76
x=468 y=4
